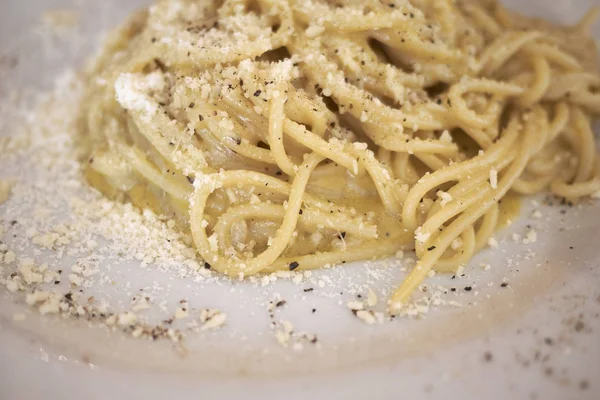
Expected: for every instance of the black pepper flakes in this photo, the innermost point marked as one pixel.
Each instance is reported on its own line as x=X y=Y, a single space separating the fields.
x=257 y=93
x=468 y=288
x=487 y=356
x=504 y=284
x=308 y=290
x=294 y=265
x=207 y=265
x=431 y=248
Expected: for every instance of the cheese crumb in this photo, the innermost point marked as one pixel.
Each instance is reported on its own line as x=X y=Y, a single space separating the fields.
x=212 y=318
x=516 y=237
x=127 y=318
x=446 y=137
x=371 y=298
x=284 y=333
x=181 y=312
x=494 y=179
x=10 y=257
x=456 y=244
x=360 y=145
x=445 y=197
x=420 y=236
x=370 y=317
x=140 y=303
x=530 y=237
x=314 y=30
x=355 y=305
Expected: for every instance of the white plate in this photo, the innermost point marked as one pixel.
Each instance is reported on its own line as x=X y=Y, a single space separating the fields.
x=537 y=338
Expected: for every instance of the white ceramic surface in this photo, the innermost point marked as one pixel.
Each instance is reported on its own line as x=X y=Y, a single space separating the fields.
x=530 y=328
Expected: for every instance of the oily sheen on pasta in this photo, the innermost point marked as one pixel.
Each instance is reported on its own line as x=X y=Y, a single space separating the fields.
x=295 y=134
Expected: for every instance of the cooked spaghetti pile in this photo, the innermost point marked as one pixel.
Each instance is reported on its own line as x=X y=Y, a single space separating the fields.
x=289 y=135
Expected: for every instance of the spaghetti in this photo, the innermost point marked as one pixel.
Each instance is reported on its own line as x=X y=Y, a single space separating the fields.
x=292 y=134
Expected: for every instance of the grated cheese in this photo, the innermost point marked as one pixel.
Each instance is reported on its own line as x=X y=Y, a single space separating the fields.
x=494 y=179
x=420 y=236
